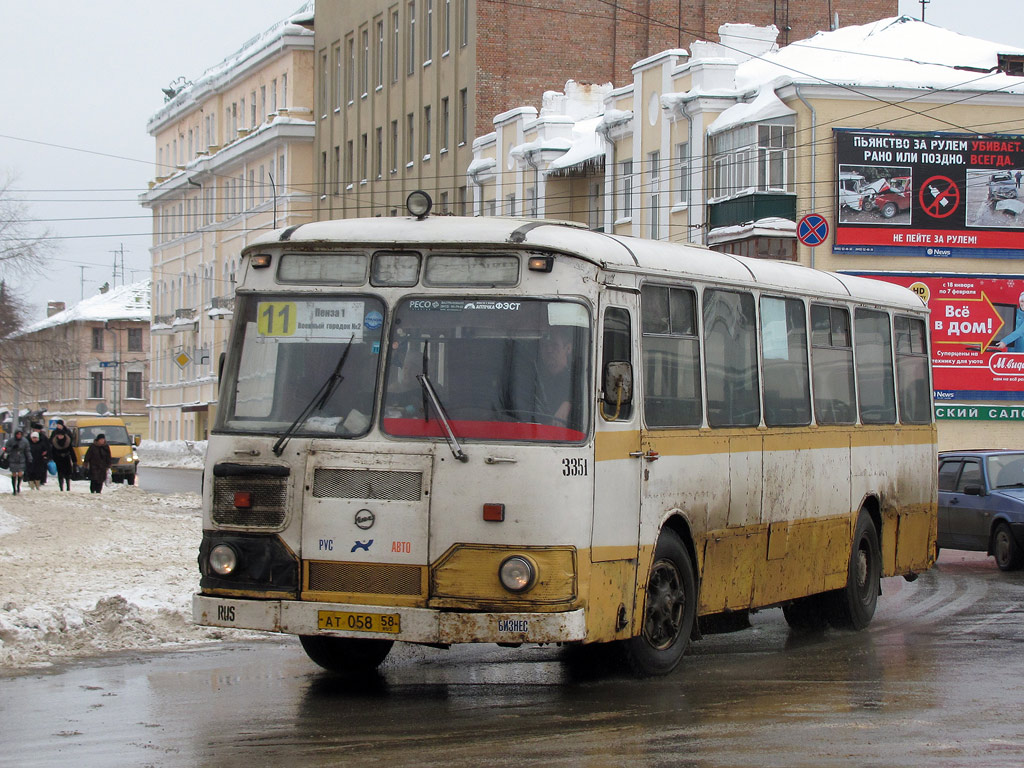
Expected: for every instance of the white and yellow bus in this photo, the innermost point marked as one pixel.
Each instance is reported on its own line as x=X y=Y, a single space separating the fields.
x=445 y=430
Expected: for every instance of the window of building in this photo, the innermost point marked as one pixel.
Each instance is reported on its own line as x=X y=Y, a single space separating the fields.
x=135 y=340
x=97 y=339
x=379 y=154
x=446 y=39
x=625 y=204
x=510 y=204
x=380 y=54
x=428 y=32
x=364 y=71
x=531 y=202
x=96 y=385
x=463 y=115
x=284 y=89
x=444 y=202
x=411 y=42
x=349 y=158
x=273 y=95
x=465 y=23
x=756 y=157
x=410 y=144
x=394 y=47
x=444 y=125
x=252 y=111
x=337 y=169
x=338 y=79
x=363 y=157
x=350 y=78
x=133 y=385
x=394 y=146
x=323 y=174
x=426 y=133
x=263 y=103
x=681 y=176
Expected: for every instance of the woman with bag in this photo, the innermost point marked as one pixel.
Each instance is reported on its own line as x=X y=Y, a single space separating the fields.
x=63 y=454
x=96 y=463
x=17 y=453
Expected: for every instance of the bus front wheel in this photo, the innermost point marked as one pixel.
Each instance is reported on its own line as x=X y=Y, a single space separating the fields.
x=854 y=606
x=670 y=610
x=345 y=655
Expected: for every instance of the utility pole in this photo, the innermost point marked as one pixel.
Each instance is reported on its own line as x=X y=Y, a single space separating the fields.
x=118 y=252
x=923 y=4
x=83 y=282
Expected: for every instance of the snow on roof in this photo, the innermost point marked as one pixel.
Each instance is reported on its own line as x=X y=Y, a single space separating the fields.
x=585 y=145
x=212 y=76
x=766 y=106
x=126 y=302
x=892 y=53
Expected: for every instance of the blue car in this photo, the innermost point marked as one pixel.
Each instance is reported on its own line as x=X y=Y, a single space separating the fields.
x=981 y=504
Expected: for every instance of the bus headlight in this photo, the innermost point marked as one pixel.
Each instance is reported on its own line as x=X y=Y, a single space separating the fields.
x=223 y=560
x=516 y=574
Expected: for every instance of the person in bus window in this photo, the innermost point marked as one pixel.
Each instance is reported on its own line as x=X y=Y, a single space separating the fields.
x=554 y=376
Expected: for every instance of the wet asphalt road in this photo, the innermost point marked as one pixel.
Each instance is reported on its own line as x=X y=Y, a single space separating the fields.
x=935 y=681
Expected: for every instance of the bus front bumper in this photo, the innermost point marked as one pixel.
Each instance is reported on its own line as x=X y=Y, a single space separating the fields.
x=411 y=625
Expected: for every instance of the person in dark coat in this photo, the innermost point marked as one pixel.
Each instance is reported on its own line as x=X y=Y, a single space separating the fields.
x=96 y=462
x=37 y=427
x=18 y=455
x=39 y=457
x=62 y=451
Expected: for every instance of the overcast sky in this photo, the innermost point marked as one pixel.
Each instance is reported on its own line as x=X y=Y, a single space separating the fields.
x=82 y=79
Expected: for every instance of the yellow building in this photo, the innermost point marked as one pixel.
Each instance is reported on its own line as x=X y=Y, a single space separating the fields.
x=89 y=359
x=233 y=158
x=891 y=149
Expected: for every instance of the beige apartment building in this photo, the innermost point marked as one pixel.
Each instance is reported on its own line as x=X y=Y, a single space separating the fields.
x=403 y=86
x=233 y=158
x=892 y=149
x=89 y=359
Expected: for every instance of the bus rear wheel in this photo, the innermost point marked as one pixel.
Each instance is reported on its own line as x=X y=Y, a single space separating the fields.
x=670 y=610
x=853 y=606
x=345 y=655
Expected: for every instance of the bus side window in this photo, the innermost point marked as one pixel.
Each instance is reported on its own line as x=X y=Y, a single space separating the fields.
x=872 y=341
x=730 y=350
x=832 y=365
x=615 y=348
x=787 y=395
x=671 y=355
x=912 y=370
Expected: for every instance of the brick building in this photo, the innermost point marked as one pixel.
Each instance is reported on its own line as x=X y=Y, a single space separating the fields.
x=403 y=87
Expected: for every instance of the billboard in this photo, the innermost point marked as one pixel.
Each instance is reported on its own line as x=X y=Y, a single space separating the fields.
x=900 y=193
x=977 y=333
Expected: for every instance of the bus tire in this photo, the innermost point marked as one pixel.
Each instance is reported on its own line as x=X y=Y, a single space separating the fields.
x=345 y=655
x=854 y=605
x=807 y=614
x=670 y=610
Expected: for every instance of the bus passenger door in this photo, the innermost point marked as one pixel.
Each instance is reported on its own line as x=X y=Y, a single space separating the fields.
x=617 y=478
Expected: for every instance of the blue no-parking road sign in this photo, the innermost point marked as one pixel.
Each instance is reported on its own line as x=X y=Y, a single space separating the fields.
x=812 y=229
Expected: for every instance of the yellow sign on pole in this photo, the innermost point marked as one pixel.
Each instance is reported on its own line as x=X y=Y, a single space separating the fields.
x=182 y=359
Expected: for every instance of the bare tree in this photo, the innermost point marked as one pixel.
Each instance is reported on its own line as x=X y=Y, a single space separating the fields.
x=22 y=247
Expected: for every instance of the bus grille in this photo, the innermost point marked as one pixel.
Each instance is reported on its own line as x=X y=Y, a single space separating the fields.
x=268 y=501
x=363 y=578
x=367 y=484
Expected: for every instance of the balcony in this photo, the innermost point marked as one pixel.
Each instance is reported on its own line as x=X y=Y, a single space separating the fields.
x=221 y=306
x=752 y=207
x=161 y=325
x=185 y=320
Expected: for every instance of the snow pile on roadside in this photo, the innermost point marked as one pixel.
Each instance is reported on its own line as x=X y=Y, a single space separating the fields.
x=83 y=574
x=185 y=454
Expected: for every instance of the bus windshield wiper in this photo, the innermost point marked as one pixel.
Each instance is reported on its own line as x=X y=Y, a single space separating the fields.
x=442 y=416
x=318 y=401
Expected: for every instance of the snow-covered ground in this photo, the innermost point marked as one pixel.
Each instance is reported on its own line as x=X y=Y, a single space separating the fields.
x=83 y=574
x=172 y=453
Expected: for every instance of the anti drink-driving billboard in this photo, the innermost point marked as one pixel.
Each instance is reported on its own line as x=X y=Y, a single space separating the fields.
x=900 y=193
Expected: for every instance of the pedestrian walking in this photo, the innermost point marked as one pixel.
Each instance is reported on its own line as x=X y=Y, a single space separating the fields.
x=38 y=458
x=62 y=450
x=37 y=427
x=96 y=463
x=18 y=456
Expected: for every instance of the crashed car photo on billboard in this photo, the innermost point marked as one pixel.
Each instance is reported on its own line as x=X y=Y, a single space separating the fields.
x=876 y=194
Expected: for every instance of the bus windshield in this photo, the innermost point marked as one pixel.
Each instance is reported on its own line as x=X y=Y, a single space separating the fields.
x=502 y=369
x=287 y=349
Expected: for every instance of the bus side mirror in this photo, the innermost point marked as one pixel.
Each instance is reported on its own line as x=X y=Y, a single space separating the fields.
x=618 y=383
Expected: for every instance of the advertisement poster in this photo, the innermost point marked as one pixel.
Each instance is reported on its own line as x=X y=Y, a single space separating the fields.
x=929 y=194
x=977 y=333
